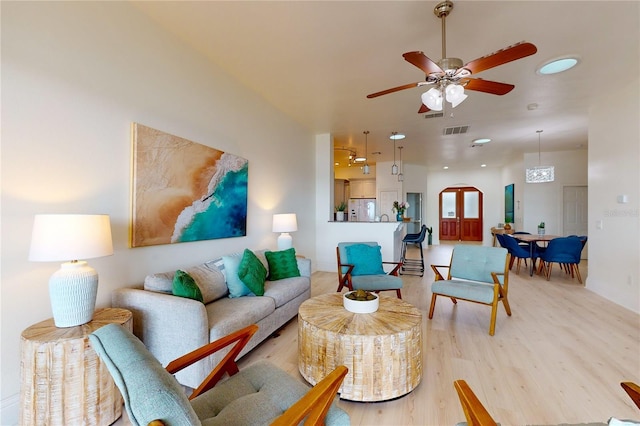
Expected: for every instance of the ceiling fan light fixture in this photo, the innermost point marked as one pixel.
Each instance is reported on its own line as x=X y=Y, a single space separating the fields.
x=455 y=94
x=432 y=98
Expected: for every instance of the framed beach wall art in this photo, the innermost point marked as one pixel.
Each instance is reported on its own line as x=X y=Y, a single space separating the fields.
x=509 y=214
x=184 y=191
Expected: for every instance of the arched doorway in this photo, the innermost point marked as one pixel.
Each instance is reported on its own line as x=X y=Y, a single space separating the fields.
x=461 y=214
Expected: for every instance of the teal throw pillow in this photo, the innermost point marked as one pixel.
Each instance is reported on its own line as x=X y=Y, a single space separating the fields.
x=185 y=286
x=234 y=283
x=282 y=264
x=252 y=272
x=367 y=260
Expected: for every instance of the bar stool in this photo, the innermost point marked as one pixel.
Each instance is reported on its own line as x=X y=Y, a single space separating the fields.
x=413 y=266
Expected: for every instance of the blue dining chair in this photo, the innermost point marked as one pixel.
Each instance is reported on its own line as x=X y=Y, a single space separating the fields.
x=517 y=251
x=565 y=251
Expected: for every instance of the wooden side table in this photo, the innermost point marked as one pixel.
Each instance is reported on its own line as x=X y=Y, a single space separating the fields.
x=63 y=380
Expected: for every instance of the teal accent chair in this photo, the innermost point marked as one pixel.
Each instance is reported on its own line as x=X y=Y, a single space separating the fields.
x=360 y=266
x=476 y=274
x=260 y=394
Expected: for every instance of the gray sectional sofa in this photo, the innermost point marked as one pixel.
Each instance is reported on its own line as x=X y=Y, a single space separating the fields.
x=171 y=326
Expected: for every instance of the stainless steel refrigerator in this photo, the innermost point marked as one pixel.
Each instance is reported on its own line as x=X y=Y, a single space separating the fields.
x=362 y=209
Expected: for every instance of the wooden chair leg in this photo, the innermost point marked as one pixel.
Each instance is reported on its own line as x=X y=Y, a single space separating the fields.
x=505 y=302
x=575 y=265
x=433 y=305
x=549 y=267
x=518 y=267
x=398 y=294
x=494 y=314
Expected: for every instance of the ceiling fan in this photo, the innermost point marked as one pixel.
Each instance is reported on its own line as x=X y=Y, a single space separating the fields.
x=449 y=77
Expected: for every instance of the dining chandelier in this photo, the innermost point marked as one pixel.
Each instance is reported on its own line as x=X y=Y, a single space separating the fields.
x=540 y=174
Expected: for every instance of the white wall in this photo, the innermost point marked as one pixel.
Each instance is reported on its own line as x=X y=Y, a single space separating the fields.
x=614 y=153
x=74 y=77
x=543 y=202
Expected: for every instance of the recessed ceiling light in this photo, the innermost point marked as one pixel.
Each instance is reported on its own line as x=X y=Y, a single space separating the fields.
x=557 y=65
x=397 y=136
x=481 y=141
x=483 y=165
x=446 y=167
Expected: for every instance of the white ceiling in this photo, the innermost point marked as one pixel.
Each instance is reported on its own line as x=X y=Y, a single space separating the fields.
x=317 y=60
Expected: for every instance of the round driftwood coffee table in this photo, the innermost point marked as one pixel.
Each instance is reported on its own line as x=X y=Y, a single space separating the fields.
x=382 y=350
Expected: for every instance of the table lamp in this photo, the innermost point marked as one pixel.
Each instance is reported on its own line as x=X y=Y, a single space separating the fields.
x=69 y=237
x=285 y=223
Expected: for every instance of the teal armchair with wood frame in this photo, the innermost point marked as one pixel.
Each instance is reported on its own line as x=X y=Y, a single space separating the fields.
x=260 y=394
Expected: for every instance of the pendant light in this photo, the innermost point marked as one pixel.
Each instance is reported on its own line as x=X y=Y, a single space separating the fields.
x=400 y=175
x=365 y=168
x=540 y=174
x=394 y=168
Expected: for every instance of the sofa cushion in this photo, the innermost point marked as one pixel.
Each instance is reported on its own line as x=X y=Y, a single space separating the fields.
x=227 y=315
x=282 y=264
x=285 y=290
x=185 y=286
x=209 y=279
x=367 y=260
x=252 y=272
x=236 y=287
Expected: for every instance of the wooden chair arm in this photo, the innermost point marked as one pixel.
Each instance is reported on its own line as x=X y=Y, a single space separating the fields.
x=395 y=270
x=349 y=271
x=633 y=390
x=439 y=276
x=474 y=411
x=226 y=365
x=315 y=404
x=495 y=275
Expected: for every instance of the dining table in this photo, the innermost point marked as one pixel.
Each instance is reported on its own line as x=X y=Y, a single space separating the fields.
x=533 y=239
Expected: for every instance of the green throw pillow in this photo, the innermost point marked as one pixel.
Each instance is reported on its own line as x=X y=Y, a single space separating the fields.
x=282 y=264
x=252 y=272
x=185 y=286
x=367 y=260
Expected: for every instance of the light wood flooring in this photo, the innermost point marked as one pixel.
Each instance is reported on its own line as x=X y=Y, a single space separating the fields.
x=558 y=359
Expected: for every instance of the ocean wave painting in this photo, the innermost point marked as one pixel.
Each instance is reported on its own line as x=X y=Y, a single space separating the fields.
x=184 y=191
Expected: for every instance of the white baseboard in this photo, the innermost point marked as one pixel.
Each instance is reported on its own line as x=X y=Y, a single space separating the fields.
x=9 y=410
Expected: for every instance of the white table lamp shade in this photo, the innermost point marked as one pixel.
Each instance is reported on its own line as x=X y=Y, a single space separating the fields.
x=70 y=237
x=285 y=223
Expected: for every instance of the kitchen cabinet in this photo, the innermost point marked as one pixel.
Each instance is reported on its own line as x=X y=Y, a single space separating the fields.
x=363 y=188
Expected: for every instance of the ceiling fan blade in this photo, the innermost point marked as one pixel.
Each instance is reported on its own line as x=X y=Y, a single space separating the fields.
x=395 y=89
x=492 y=87
x=421 y=61
x=508 y=54
x=423 y=109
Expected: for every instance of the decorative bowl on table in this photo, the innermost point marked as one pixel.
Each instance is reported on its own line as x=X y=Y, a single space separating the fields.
x=360 y=301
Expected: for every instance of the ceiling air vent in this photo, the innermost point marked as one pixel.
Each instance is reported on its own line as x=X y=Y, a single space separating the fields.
x=456 y=130
x=434 y=115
